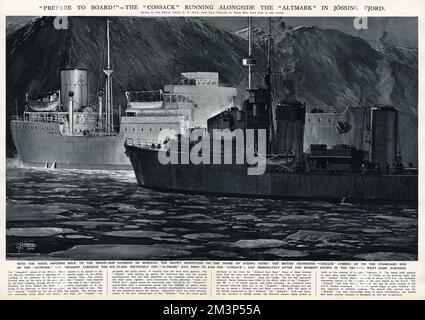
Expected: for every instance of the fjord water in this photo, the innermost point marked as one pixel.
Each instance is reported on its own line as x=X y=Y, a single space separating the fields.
x=94 y=214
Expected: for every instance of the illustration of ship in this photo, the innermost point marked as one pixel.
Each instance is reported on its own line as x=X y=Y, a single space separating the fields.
x=311 y=152
x=62 y=129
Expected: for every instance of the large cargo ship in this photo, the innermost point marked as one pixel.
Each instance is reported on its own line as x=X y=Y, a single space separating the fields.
x=310 y=152
x=63 y=129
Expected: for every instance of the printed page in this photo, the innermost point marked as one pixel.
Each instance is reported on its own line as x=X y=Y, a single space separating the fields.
x=211 y=150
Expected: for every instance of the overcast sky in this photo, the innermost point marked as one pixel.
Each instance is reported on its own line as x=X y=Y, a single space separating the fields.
x=405 y=29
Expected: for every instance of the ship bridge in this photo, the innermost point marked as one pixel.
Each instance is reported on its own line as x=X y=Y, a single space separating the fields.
x=204 y=89
x=199 y=78
x=156 y=100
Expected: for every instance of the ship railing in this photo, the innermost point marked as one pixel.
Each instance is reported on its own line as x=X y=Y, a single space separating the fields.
x=155 y=95
x=89 y=118
x=176 y=98
x=17 y=118
x=144 y=96
x=142 y=143
x=324 y=109
x=46 y=117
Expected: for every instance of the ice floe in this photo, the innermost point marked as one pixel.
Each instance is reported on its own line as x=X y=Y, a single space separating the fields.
x=131 y=226
x=139 y=234
x=148 y=221
x=155 y=212
x=120 y=252
x=285 y=253
x=37 y=232
x=34 y=212
x=90 y=224
x=386 y=256
x=201 y=236
x=317 y=236
x=258 y=243
x=77 y=236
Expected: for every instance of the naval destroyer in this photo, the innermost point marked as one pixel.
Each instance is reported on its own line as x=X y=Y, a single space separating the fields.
x=311 y=152
x=62 y=129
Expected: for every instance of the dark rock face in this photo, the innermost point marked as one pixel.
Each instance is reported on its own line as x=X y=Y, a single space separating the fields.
x=332 y=68
x=318 y=66
x=326 y=67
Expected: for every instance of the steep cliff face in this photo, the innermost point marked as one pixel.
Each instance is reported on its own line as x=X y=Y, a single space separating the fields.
x=318 y=66
x=326 y=67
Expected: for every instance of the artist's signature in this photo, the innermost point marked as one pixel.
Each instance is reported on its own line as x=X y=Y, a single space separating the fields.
x=25 y=246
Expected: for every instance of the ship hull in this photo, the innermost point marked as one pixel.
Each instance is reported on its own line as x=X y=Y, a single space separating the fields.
x=41 y=144
x=233 y=180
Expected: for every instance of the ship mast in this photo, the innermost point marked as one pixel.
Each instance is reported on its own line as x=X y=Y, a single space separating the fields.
x=268 y=52
x=108 y=71
x=268 y=85
x=249 y=54
x=249 y=62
